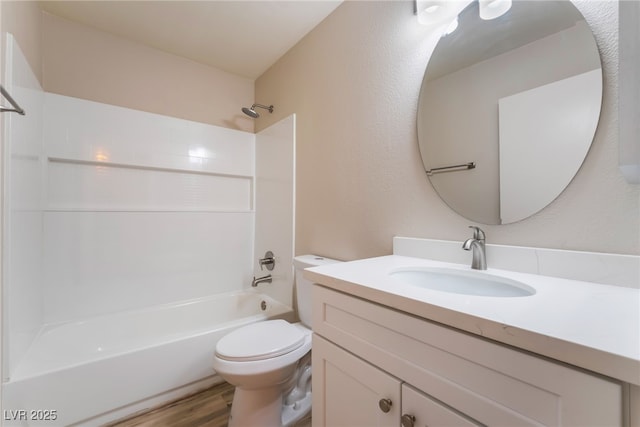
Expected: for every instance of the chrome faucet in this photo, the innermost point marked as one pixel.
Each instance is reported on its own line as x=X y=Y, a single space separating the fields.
x=476 y=245
x=263 y=279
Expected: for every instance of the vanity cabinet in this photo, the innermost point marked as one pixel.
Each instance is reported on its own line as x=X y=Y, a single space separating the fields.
x=373 y=365
x=357 y=394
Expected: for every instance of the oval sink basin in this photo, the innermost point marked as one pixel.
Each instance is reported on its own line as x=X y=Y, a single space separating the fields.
x=463 y=282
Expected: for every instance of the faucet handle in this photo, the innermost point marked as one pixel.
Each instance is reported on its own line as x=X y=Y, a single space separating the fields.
x=268 y=261
x=478 y=234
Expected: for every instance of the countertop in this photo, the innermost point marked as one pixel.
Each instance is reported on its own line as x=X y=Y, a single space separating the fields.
x=589 y=325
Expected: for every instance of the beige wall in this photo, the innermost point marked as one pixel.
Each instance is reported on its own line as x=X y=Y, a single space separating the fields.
x=23 y=20
x=354 y=82
x=82 y=62
x=75 y=60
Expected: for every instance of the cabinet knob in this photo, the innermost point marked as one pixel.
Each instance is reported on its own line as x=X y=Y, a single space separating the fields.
x=385 y=405
x=407 y=420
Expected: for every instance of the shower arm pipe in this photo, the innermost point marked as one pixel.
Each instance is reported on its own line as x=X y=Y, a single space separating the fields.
x=16 y=108
x=270 y=107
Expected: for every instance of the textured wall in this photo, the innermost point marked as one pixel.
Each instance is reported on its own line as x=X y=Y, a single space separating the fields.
x=353 y=83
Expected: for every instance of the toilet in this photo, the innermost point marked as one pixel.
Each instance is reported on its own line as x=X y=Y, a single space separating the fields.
x=269 y=363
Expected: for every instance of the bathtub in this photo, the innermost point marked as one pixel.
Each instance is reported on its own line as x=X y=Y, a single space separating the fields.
x=100 y=369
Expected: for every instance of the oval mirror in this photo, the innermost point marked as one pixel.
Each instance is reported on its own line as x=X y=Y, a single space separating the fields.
x=508 y=109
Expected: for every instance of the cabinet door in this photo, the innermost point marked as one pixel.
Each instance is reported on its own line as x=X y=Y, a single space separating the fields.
x=349 y=392
x=419 y=410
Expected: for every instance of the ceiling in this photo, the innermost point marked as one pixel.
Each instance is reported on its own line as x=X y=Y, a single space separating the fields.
x=242 y=37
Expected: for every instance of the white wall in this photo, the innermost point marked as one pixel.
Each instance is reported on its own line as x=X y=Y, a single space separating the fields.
x=141 y=209
x=275 y=206
x=22 y=155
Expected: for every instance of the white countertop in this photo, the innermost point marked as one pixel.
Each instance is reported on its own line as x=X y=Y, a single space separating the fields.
x=589 y=325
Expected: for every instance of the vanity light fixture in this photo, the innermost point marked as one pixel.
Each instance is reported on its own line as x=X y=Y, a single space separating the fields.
x=491 y=9
x=439 y=12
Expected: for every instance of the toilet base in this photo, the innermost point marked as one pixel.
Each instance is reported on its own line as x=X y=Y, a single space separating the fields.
x=264 y=408
x=291 y=414
x=253 y=408
x=269 y=407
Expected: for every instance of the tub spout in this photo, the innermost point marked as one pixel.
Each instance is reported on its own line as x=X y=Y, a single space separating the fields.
x=263 y=279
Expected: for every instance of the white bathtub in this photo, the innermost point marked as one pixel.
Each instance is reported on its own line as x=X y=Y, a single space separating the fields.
x=95 y=370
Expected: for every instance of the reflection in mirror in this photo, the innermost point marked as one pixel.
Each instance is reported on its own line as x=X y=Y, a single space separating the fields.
x=519 y=96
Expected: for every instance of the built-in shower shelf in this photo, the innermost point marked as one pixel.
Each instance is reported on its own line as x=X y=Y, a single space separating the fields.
x=76 y=185
x=141 y=166
x=145 y=209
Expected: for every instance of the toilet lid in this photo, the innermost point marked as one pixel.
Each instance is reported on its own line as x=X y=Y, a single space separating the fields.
x=261 y=340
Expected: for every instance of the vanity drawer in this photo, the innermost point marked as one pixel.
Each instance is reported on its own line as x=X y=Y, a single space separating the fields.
x=489 y=382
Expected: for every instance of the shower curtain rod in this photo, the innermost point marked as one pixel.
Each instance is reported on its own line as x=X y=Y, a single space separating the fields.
x=16 y=108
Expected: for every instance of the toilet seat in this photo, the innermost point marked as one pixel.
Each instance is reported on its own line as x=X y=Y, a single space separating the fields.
x=260 y=341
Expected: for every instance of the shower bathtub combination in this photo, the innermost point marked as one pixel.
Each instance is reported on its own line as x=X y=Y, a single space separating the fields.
x=100 y=369
x=128 y=247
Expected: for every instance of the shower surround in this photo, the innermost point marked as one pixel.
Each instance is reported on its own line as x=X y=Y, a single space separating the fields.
x=118 y=218
x=138 y=202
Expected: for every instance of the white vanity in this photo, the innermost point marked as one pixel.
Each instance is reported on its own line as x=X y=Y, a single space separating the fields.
x=387 y=351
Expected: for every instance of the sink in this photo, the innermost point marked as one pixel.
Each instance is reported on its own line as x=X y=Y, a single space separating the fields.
x=462 y=282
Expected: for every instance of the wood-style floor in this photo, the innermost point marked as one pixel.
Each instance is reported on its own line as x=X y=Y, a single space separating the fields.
x=209 y=408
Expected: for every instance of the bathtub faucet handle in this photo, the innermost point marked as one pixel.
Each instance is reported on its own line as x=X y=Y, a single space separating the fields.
x=263 y=279
x=268 y=261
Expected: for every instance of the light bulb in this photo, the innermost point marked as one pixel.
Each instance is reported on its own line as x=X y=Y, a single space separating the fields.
x=432 y=9
x=491 y=9
x=452 y=27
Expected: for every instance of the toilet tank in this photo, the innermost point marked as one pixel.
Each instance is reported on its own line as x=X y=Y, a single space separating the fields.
x=303 y=286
